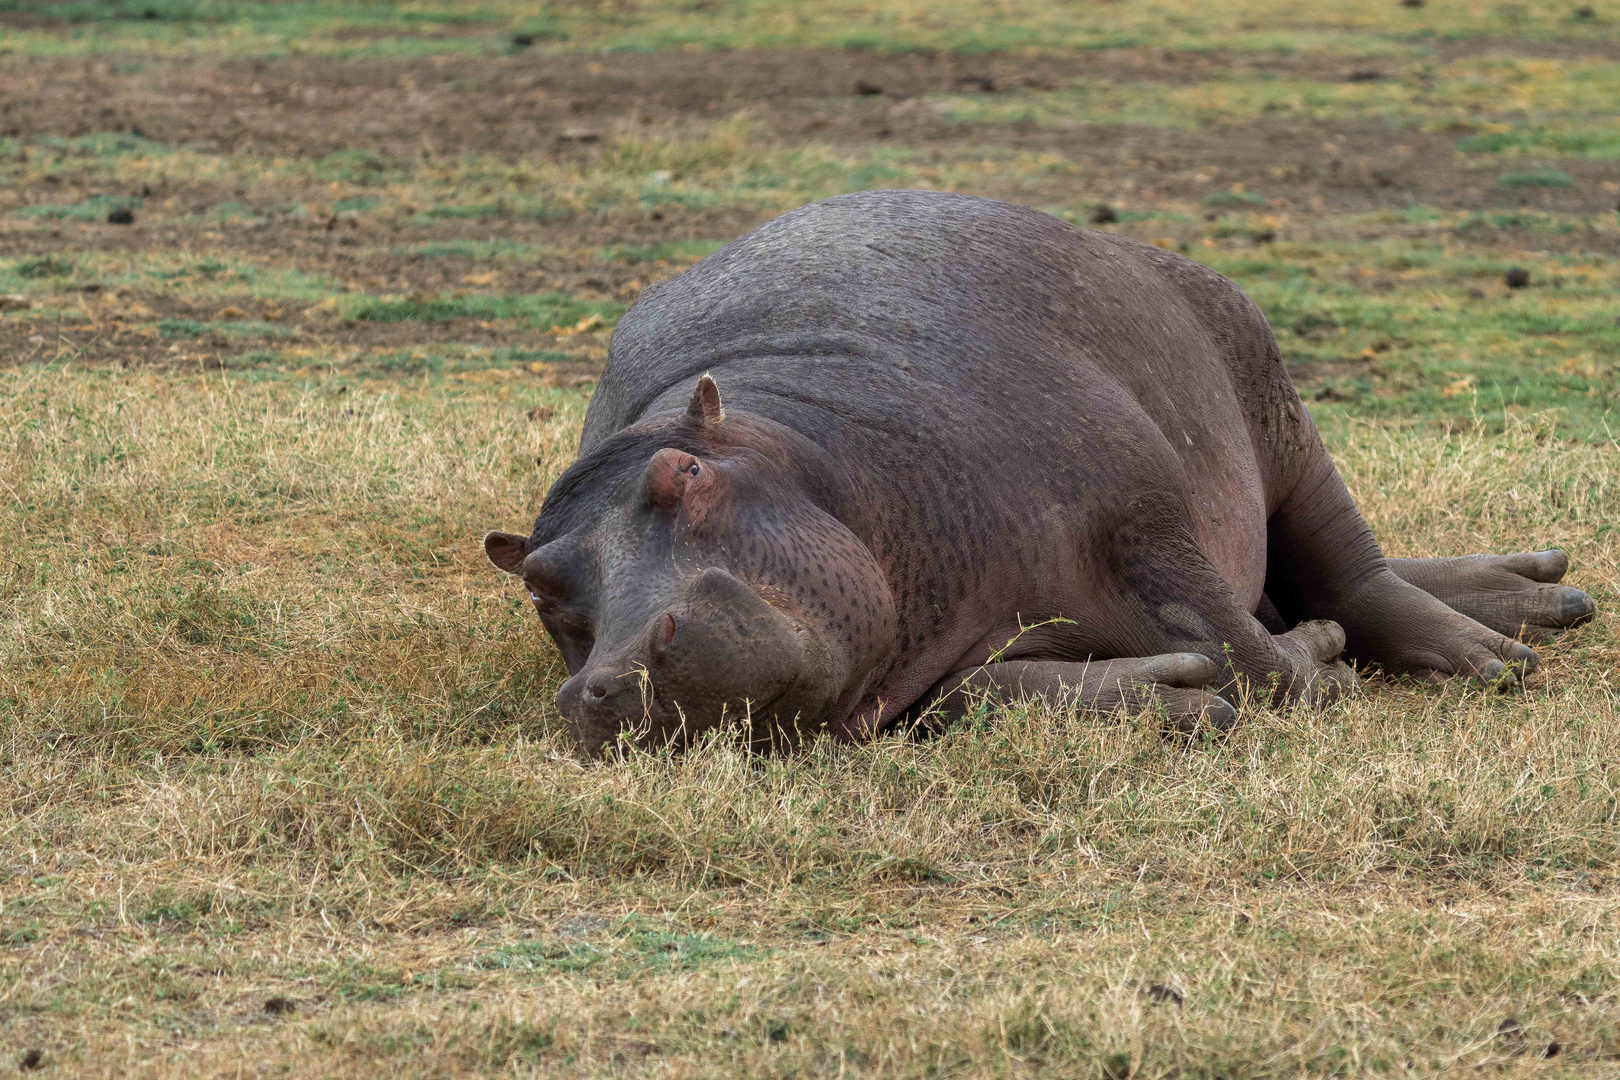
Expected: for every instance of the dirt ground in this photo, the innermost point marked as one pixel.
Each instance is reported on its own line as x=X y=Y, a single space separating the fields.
x=568 y=111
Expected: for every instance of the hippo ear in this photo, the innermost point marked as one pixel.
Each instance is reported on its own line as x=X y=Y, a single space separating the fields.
x=507 y=550
x=704 y=407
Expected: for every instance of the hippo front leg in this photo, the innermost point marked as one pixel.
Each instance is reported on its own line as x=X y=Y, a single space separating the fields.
x=1175 y=682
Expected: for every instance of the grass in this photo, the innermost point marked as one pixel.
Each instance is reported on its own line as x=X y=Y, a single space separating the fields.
x=283 y=790
x=1534 y=178
x=275 y=732
x=92 y=209
x=1402 y=286
x=542 y=311
x=168 y=27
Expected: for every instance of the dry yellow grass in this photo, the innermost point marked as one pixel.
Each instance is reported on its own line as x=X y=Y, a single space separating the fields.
x=282 y=788
x=271 y=732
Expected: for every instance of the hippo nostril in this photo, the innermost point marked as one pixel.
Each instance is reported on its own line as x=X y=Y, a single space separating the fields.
x=597 y=690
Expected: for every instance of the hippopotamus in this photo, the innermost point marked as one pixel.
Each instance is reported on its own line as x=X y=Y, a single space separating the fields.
x=897 y=452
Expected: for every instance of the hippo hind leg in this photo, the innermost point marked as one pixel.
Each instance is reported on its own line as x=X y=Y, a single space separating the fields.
x=1518 y=596
x=1188 y=645
x=1177 y=683
x=1324 y=563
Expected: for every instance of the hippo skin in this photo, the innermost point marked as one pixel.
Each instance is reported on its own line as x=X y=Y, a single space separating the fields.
x=966 y=447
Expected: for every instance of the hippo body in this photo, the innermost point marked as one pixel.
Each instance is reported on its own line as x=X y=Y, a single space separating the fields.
x=964 y=444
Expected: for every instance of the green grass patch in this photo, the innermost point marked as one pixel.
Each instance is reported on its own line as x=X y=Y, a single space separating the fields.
x=1534 y=178
x=189 y=328
x=669 y=251
x=354 y=166
x=1576 y=140
x=55 y=149
x=1519 y=219
x=1234 y=199
x=245 y=28
x=542 y=310
x=95 y=208
x=479 y=250
x=44 y=266
x=511 y=209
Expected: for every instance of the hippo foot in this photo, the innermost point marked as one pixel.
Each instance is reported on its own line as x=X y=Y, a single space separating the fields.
x=1175 y=685
x=1518 y=596
x=1411 y=632
x=1320 y=675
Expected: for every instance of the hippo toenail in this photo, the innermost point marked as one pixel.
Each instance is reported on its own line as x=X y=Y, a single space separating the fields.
x=1575 y=607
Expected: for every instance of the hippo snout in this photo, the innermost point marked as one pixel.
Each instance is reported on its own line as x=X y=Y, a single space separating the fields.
x=719 y=654
x=727 y=649
x=603 y=700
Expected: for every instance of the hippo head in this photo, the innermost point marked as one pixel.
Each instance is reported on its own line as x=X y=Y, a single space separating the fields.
x=693 y=573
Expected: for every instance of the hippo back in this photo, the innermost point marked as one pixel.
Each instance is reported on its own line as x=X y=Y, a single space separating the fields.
x=867 y=303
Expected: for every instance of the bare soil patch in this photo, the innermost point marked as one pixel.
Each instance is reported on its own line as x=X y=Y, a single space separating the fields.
x=421 y=115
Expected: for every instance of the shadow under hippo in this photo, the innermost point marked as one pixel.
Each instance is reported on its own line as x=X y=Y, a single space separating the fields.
x=967 y=447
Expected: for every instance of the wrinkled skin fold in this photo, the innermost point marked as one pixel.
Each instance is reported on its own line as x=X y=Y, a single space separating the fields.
x=967 y=450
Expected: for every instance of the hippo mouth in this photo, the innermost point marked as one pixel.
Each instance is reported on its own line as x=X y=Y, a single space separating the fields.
x=750 y=709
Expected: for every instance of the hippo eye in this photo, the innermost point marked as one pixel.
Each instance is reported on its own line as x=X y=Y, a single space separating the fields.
x=692 y=469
